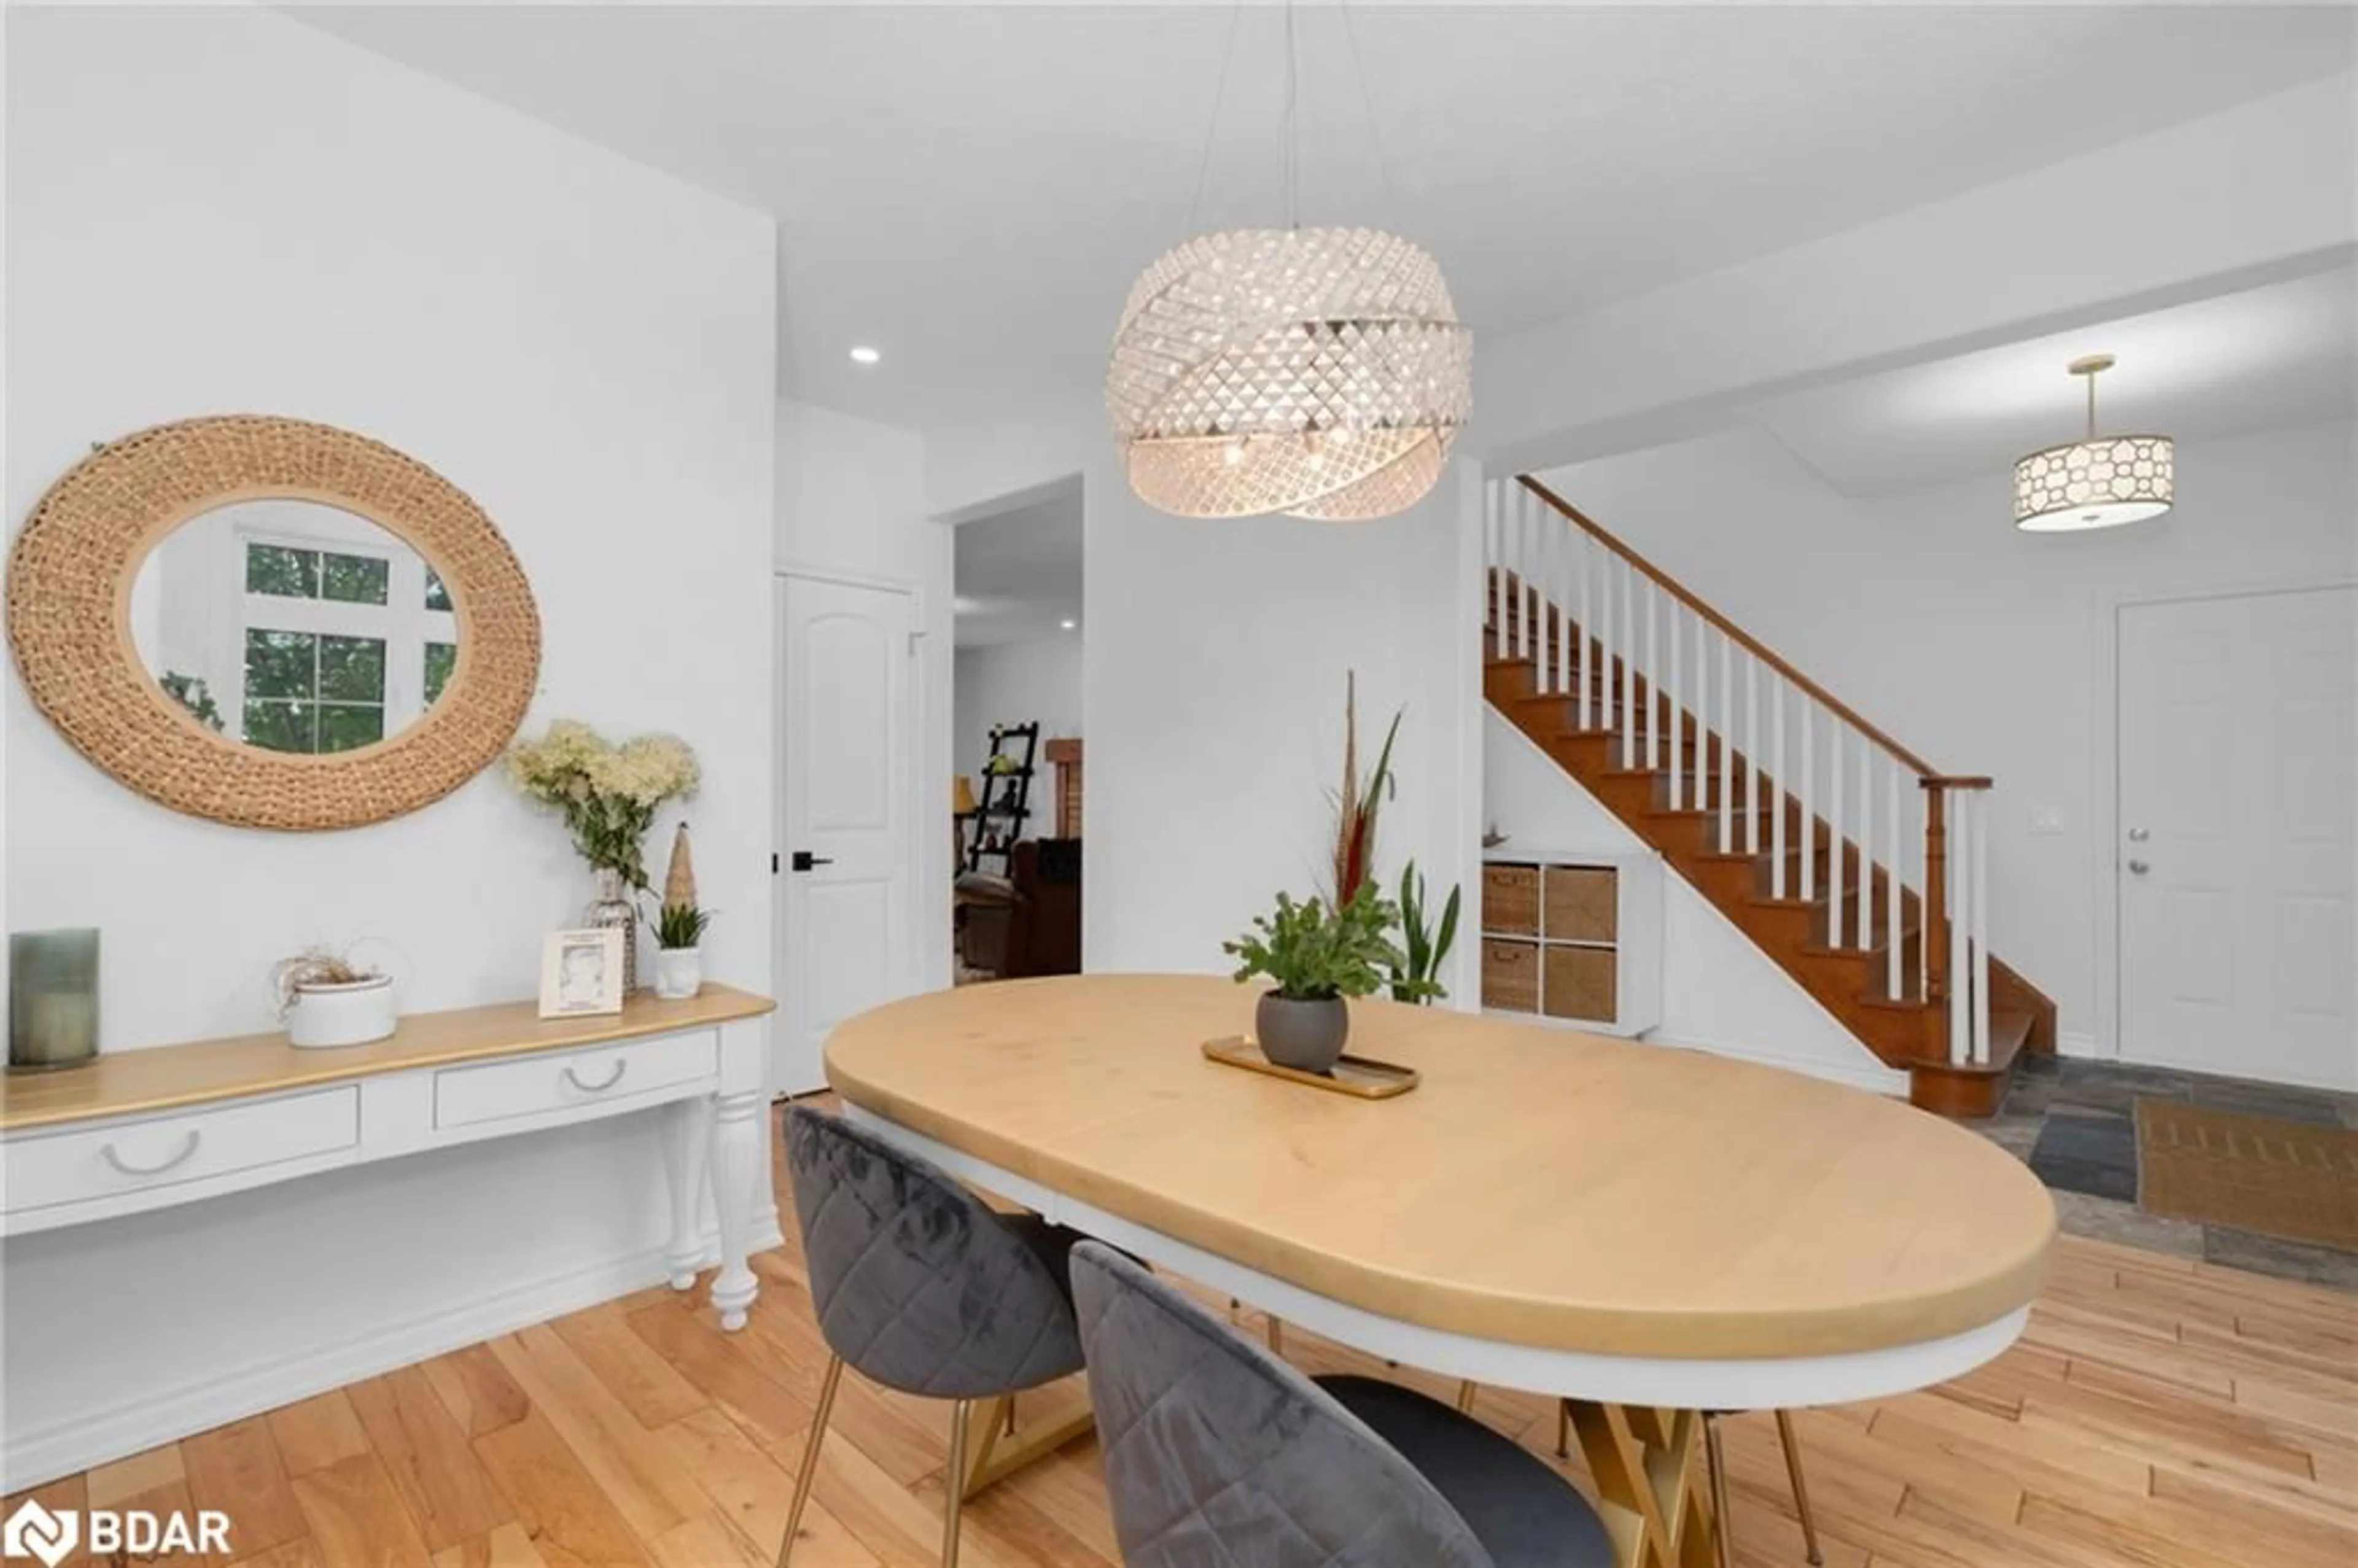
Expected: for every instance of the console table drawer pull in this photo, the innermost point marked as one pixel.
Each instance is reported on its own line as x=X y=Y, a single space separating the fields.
x=576 y=1083
x=573 y=1078
x=187 y=1147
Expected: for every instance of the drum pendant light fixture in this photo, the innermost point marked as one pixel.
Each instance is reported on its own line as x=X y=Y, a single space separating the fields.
x=1317 y=373
x=2100 y=481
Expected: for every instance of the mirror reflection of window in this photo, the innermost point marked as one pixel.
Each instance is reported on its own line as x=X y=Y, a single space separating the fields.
x=295 y=626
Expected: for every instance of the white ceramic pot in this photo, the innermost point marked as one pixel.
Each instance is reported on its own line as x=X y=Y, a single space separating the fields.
x=350 y=1015
x=679 y=972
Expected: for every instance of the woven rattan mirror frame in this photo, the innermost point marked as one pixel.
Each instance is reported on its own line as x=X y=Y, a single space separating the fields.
x=70 y=583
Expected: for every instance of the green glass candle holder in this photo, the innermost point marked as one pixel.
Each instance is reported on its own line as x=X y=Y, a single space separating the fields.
x=52 y=999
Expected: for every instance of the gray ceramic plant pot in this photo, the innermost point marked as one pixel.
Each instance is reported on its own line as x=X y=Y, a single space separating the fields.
x=1305 y=1035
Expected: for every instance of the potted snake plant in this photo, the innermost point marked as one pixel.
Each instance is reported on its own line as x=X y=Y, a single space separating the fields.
x=1316 y=958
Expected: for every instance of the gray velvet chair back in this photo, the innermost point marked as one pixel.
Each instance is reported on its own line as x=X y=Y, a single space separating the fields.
x=916 y=1283
x=1217 y=1454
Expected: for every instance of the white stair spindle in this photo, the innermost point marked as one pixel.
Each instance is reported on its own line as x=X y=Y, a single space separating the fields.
x=1493 y=553
x=1678 y=798
x=1751 y=755
x=1809 y=806
x=1977 y=807
x=1777 y=777
x=1895 y=945
x=1629 y=665
x=1726 y=743
x=1524 y=592
x=1865 y=845
x=1534 y=639
x=1542 y=584
x=1654 y=675
x=1959 y=900
x=1837 y=859
x=1564 y=540
x=1586 y=553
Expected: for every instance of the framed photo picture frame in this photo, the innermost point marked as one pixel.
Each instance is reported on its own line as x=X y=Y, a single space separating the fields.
x=582 y=972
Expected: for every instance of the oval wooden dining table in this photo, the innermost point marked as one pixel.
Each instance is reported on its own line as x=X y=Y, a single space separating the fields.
x=1648 y=1232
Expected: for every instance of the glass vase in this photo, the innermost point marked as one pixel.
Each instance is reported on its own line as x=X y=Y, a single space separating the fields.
x=614 y=906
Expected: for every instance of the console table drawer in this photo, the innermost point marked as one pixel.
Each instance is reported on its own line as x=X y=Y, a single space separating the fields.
x=567 y=1080
x=164 y=1151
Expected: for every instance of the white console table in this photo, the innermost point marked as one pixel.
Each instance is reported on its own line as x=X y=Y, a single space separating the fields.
x=142 y=1130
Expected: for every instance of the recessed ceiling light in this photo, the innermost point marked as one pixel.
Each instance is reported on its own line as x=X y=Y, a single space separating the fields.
x=1067 y=625
x=864 y=355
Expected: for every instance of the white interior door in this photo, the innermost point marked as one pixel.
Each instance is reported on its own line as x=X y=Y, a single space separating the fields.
x=845 y=773
x=2235 y=859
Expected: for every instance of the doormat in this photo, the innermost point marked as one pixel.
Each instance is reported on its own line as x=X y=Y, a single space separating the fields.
x=2255 y=1173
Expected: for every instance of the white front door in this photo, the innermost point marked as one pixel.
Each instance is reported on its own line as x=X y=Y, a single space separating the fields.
x=844 y=771
x=2235 y=856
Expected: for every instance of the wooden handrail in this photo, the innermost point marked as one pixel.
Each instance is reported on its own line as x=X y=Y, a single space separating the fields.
x=1736 y=634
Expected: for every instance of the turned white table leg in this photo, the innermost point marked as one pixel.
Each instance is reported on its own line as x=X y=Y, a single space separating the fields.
x=687 y=1160
x=736 y=1161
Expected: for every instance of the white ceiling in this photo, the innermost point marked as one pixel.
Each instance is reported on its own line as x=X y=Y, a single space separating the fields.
x=2280 y=354
x=972 y=189
x=1019 y=572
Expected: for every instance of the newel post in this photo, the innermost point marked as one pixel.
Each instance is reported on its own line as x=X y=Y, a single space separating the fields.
x=1935 y=933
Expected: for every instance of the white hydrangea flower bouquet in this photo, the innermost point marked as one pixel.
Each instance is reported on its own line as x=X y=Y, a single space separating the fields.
x=608 y=794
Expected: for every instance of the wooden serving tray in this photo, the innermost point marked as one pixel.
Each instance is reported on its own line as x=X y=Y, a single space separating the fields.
x=1361 y=1078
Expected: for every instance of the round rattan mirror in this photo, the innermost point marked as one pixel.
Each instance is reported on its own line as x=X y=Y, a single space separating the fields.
x=272 y=623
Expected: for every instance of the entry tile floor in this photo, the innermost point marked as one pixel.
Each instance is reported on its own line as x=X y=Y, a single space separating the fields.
x=2074 y=1123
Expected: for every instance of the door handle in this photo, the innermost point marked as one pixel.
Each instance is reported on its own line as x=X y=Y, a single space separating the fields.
x=2138 y=868
x=804 y=861
x=2139 y=835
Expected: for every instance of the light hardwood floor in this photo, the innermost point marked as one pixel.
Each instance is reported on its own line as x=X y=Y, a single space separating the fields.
x=2161 y=1413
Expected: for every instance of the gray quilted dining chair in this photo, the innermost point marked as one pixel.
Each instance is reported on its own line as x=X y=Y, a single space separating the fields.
x=921 y=1286
x=1217 y=1453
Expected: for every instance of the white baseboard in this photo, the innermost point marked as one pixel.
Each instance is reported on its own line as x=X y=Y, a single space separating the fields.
x=2084 y=1045
x=1865 y=1074
x=166 y=1415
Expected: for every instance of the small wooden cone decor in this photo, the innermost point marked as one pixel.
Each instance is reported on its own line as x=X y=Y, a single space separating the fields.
x=679 y=879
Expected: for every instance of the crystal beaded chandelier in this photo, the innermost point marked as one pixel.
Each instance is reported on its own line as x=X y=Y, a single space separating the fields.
x=1318 y=372
x=2101 y=482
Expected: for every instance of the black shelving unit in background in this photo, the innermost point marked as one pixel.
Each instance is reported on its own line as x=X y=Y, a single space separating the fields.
x=997 y=821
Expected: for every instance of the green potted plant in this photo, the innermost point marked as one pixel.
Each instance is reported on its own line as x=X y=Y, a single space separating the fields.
x=680 y=950
x=1317 y=959
x=1418 y=979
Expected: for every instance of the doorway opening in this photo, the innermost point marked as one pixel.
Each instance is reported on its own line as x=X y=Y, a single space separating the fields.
x=1017 y=794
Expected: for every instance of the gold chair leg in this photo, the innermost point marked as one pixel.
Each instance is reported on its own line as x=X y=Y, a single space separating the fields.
x=1722 y=1526
x=1276 y=1338
x=1801 y=1487
x=953 y=1488
x=1466 y=1397
x=1563 y=1429
x=1011 y=1415
x=808 y=1470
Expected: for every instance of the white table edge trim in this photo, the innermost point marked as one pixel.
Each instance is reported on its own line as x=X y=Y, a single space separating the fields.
x=1780 y=1383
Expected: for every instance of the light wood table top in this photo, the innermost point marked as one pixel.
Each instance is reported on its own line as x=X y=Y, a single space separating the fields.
x=165 y=1077
x=1543 y=1187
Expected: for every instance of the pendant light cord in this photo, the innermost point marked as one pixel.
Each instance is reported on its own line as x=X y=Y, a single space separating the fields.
x=2092 y=402
x=1212 y=131
x=1293 y=154
x=1367 y=107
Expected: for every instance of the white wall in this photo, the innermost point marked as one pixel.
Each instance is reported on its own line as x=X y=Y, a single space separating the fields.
x=2264 y=190
x=1038 y=679
x=1983 y=649
x=583 y=345
x=1720 y=992
x=1212 y=701
x=852 y=504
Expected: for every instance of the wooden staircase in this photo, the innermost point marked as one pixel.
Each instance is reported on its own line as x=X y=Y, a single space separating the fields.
x=1856 y=867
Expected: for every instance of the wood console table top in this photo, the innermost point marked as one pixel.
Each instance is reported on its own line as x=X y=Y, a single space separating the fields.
x=166 y=1077
x=1543 y=1187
